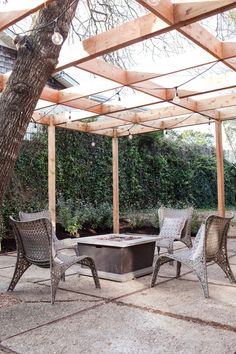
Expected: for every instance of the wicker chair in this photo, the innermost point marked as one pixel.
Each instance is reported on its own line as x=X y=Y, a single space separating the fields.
x=58 y=244
x=210 y=245
x=35 y=246
x=184 y=233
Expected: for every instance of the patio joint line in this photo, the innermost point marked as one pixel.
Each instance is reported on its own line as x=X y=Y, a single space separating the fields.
x=230 y=285
x=53 y=321
x=6 y=350
x=213 y=324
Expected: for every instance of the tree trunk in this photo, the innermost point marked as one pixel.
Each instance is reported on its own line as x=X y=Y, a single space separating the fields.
x=37 y=57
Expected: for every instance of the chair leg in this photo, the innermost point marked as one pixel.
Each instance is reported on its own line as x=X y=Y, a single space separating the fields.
x=21 y=266
x=201 y=272
x=56 y=275
x=178 y=269
x=223 y=262
x=88 y=261
x=159 y=262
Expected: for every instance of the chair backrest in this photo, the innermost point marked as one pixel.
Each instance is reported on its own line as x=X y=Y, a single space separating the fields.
x=36 y=215
x=186 y=213
x=197 y=251
x=23 y=216
x=33 y=240
x=216 y=235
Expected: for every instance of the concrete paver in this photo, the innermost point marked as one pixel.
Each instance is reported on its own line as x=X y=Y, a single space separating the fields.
x=112 y=328
x=120 y=318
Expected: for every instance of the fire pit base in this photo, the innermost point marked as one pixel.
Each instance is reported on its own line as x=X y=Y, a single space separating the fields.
x=119 y=257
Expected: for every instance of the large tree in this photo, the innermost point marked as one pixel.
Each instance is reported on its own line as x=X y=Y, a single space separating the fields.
x=37 y=58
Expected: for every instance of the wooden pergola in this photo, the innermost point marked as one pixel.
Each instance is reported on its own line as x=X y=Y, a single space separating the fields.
x=201 y=101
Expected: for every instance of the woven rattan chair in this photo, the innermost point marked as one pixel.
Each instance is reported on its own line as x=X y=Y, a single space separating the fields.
x=35 y=246
x=210 y=245
x=185 y=230
x=58 y=244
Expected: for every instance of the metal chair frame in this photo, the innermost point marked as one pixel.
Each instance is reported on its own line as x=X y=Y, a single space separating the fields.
x=210 y=245
x=35 y=245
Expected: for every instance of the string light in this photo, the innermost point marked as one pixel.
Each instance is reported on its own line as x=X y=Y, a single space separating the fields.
x=48 y=24
x=130 y=136
x=154 y=2
x=176 y=98
x=57 y=38
x=93 y=144
x=98 y=104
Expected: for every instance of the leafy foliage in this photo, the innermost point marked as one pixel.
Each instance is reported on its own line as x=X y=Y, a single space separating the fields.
x=154 y=170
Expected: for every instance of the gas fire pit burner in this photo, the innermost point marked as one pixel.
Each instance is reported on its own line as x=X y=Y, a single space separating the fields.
x=118 y=238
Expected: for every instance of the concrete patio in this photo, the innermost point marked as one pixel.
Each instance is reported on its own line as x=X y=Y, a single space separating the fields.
x=128 y=317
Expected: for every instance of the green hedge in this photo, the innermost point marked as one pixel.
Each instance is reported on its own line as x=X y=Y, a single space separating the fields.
x=153 y=170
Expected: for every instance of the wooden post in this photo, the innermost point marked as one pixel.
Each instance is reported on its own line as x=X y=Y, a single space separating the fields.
x=220 y=168
x=115 y=169
x=52 y=172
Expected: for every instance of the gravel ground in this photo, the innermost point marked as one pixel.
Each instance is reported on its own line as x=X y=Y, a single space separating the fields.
x=8 y=300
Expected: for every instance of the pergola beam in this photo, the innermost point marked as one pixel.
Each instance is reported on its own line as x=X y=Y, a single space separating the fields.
x=138 y=30
x=165 y=17
x=52 y=172
x=10 y=15
x=198 y=10
x=115 y=178
x=220 y=169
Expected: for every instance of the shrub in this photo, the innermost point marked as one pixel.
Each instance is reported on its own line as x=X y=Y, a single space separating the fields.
x=69 y=216
x=79 y=215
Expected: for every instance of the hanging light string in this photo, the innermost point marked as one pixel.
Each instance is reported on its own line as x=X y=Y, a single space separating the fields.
x=44 y=115
x=97 y=104
x=118 y=94
x=176 y=97
x=185 y=82
x=175 y=125
x=39 y=28
x=201 y=73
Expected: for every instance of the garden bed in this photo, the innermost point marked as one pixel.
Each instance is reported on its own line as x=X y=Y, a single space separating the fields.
x=8 y=244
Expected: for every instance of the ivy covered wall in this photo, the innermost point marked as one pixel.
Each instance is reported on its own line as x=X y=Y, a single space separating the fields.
x=153 y=170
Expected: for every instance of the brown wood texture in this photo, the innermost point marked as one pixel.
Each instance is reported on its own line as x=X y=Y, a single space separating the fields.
x=36 y=60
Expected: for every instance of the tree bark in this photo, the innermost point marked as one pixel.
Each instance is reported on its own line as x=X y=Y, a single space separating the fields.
x=37 y=57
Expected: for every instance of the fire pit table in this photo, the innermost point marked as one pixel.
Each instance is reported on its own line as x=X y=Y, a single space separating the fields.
x=119 y=257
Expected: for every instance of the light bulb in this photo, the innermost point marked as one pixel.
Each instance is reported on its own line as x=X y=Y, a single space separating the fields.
x=93 y=143
x=154 y=2
x=57 y=38
x=176 y=98
x=130 y=136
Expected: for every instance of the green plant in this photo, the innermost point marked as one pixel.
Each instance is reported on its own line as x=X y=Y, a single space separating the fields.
x=153 y=171
x=2 y=231
x=73 y=226
x=69 y=217
x=195 y=224
x=95 y=217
